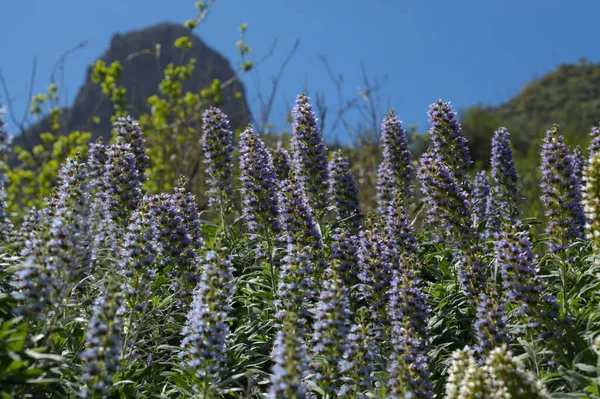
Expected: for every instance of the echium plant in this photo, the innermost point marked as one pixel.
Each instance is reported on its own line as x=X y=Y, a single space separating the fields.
x=281 y=163
x=141 y=258
x=490 y=322
x=400 y=241
x=510 y=379
x=395 y=172
x=103 y=341
x=186 y=201
x=523 y=288
x=260 y=207
x=466 y=379
x=206 y=327
x=343 y=249
x=578 y=163
x=561 y=192
x=503 y=205
x=309 y=155
x=409 y=313
x=501 y=377
x=300 y=232
x=374 y=273
x=290 y=362
x=360 y=357
x=449 y=143
x=448 y=210
x=122 y=181
x=129 y=132
x=217 y=144
x=481 y=196
x=57 y=252
x=178 y=246
x=342 y=191
x=331 y=328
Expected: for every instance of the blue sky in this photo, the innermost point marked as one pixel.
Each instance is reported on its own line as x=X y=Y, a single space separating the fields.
x=464 y=51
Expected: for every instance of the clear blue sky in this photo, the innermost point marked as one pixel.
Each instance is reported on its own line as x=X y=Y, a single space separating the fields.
x=461 y=51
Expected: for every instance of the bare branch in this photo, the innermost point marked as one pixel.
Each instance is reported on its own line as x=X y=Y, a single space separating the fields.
x=267 y=107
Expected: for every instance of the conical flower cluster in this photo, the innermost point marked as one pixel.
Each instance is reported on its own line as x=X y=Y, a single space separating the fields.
x=395 y=172
x=309 y=155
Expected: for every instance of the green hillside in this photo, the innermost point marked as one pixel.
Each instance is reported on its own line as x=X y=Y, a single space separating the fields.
x=569 y=96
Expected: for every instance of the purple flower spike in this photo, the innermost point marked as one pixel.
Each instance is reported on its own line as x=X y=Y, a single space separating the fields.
x=561 y=192
x=481 y=196
x=206 y=327
x=409 y=313
x=281 y=163
x=503 y=206
x=448 y=210
x=395 y=172
x=217 y=144
x=448 y=142
x=342 y=190
x=309 y=155
x=490 y=324
x=259 y=186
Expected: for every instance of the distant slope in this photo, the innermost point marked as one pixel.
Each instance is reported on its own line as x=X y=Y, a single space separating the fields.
x=141 y=76
x=569 y=96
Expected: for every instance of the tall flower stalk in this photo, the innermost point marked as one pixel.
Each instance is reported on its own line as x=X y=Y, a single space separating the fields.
x=481 y=196
x=503 y=206
x=217 y=144
x=309 y=155
x=206 y=327
x=561 y=192
x=342 y=190
x=449 y=143
x=409 y=315
x=395 y=172
x=259 y=192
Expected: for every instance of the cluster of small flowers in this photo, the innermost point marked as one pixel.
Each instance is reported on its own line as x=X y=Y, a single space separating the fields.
x=409 y=316
x=129 y=132
x=579 y=161
x=103 y=342
x=206 y=327
x=522 y=286
x=330 y=333
x=309 y=155
x=502 y=377
x=343 y=249
x=217 y=144
x=343 y=193
x=290 y=363
x=490 y=324
x=282 y=164
x=448 y=142
x=448 y=210
x=481 y=196
x=57 y=250
x=503 y=204
x=300 y=230
x=122 y=181
x=259 y=187
x=395 y=172
x=561 y=192
x=178 y=246
x=374 y=272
